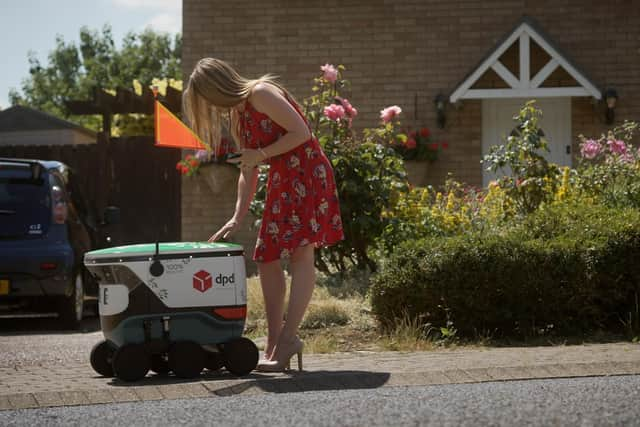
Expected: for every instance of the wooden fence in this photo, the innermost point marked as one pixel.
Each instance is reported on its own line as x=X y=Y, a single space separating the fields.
x=130 y=173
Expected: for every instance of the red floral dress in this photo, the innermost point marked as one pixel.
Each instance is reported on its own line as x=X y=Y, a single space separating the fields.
x=302 y=200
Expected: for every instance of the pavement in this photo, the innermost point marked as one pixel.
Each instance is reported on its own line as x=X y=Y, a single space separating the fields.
x=74 y=382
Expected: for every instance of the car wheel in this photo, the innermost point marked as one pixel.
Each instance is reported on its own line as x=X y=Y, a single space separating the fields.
x=72 y=306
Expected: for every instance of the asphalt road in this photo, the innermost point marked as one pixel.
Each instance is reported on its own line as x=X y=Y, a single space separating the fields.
x=600 y=401
x=38 y=342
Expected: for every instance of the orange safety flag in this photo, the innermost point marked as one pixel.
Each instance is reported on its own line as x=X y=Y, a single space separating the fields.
x=171 y=132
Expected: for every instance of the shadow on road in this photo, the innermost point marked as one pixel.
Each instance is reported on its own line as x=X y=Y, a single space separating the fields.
x=282 y=383
x=311 y=381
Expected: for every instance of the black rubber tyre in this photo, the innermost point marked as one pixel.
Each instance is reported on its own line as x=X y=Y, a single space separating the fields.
x=101 y=358
x=213 y=361
x=159 y=364
x=240 y=356
x=131 y=362
x=71 y=307
x=186 y=359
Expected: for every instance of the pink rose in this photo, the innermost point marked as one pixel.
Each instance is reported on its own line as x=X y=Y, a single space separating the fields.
x=334 y=112
x=411 y=143
x=590 y=149
x=329 y=72
x=389 y=113
x=617 y=146
x=351 y=112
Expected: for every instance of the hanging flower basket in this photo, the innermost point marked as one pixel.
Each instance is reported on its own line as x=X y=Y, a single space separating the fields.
x=220 y=177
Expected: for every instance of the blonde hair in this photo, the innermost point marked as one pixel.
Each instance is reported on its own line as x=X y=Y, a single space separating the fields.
x=214 y=87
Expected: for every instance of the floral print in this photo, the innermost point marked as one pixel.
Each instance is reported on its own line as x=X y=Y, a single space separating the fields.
x=302 y=205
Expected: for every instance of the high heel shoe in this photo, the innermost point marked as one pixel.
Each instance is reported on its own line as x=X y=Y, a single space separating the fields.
x=283 y=361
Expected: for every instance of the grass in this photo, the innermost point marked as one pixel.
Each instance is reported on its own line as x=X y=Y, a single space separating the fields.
x=338 y=319
x=331 y=324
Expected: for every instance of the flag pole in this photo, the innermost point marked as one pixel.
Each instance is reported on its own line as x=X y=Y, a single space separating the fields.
x=154 y=90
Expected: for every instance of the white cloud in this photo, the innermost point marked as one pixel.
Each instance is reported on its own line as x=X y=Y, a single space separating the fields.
x=166 y=15
x=160 y=5
x=170 y=23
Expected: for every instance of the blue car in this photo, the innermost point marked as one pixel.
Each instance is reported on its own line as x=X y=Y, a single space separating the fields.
x=43 y=238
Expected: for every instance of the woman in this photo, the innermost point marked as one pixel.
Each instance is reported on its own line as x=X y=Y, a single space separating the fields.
x=301 y=209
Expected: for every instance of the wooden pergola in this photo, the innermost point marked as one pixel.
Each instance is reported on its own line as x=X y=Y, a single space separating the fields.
x=125 y=101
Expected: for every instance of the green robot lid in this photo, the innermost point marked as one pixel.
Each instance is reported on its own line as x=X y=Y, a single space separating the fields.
x=171 y=250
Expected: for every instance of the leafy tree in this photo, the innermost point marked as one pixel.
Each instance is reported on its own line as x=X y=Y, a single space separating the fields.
x=73 y=71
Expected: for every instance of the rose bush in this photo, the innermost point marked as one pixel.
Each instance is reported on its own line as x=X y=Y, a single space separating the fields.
x=369 y=173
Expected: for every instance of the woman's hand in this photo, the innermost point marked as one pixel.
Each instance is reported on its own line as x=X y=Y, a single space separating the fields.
x=225 y=231
x=248 y=159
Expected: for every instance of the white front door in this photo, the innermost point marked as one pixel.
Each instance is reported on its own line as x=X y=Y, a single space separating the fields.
x=498 y=123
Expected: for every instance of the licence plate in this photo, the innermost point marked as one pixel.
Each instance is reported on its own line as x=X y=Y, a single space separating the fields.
x=4 y=286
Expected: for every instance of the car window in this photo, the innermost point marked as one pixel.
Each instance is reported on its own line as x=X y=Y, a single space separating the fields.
x=25 y=203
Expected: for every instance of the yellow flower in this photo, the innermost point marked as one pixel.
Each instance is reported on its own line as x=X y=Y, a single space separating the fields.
x=137 y=87
x=451 y=198
x=563 y=190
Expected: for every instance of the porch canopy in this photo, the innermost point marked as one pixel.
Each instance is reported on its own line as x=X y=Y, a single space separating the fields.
x=525 y=64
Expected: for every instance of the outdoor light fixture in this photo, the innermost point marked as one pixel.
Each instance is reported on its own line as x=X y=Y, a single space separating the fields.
x=440 y=103
x=610 y=97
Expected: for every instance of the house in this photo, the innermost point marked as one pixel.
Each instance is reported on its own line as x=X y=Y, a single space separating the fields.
x=21 y=125
x=466 y=65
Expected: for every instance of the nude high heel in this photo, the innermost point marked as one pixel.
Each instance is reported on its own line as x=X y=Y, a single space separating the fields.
x=283 y=363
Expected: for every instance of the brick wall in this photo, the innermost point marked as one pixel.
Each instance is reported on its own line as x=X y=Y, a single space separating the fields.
x=405 y=52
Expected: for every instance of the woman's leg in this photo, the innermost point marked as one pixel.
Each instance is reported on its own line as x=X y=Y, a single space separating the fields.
x=303 y=280
x=273 y=286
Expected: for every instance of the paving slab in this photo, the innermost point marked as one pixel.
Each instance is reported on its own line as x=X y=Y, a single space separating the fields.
x=75 y=383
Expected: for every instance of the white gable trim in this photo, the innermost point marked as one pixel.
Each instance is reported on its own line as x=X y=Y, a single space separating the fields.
x=544 y=73
x=524 y=86
x=506 y=75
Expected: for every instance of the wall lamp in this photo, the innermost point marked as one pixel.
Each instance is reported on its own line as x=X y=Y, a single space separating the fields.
x=610 y=98
x=440 y=102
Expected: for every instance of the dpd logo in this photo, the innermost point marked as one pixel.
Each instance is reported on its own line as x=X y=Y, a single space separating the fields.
x=226 y=280
x=202 y=281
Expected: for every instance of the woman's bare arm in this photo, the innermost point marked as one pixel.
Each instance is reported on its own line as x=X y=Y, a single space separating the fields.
x=247 y=182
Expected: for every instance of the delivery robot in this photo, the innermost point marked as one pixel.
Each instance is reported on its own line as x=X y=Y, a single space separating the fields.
x=171 y=307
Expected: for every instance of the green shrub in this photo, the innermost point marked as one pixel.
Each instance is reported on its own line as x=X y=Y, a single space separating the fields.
x=565 y=269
